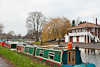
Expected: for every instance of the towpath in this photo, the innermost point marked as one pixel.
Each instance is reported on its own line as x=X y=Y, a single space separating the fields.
x=5 y=62
x=81 y=45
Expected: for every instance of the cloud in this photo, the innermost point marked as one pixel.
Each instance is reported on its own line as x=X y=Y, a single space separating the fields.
x=13 y=13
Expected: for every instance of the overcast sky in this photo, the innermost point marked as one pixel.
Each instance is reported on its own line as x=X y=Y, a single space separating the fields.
x=13 y=13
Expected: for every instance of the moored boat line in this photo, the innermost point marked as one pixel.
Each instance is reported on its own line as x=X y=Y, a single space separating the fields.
x=54 y=57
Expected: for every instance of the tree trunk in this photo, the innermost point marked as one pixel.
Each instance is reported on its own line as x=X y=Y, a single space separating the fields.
x=59 y=41
x=37 y=36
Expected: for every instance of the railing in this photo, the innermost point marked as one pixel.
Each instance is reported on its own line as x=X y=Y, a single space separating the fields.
x=96 y=38
x=78 y=33
x=84 y=33
x=91 y=35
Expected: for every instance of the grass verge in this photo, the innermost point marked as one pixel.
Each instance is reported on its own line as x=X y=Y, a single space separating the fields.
x=17 y=59
x=37 y=42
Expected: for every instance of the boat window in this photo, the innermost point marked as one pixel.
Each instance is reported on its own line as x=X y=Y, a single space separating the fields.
x=41 y=52
x=27 y=49
x=73 y=56
x=51 y=55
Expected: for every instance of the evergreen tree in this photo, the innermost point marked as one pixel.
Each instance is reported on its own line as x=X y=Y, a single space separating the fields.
x=73 y=23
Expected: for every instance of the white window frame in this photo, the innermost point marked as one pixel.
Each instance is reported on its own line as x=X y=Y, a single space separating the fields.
x=83 y=30
x=50 y=54
x=73 y=31
x=79 y=30
x=93 y=29
x=76 y=30
x=41 y=52
x=27 y=49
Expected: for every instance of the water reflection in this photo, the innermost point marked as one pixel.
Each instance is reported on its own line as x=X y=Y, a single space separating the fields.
x=92 y=56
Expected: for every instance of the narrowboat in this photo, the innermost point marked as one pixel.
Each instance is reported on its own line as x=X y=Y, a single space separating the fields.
x=28 y=50
x=20 y=47
x=10 y=44
x=54 y=57
x=58 y=58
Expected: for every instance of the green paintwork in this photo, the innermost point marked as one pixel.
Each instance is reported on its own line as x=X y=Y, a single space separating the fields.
x=34 y=51
x=57 y=56
x=29 y=50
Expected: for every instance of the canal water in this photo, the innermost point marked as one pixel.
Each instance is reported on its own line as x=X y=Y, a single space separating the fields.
x=91 y=56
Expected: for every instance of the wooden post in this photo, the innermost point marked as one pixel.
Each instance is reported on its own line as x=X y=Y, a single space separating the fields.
x=86 y=39
x=85 y=50
x=89 y=39
x=94 y=51
x=88 y=51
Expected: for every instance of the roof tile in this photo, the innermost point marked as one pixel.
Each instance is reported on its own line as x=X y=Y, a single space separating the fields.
x=84 y=25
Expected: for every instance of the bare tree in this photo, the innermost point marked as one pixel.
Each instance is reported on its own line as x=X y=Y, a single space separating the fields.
x=1 y=28
x=19 y=35
x=10 y=34
x=33 y=23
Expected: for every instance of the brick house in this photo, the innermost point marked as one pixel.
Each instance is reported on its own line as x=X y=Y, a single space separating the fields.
x=84 y=33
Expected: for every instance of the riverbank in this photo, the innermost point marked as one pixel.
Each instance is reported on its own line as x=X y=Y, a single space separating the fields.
x=5 y=62
x=19 y=60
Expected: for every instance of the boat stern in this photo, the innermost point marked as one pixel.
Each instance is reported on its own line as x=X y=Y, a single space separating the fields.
x=80 y=65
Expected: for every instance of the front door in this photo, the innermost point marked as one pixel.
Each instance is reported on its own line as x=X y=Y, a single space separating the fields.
x=71 y=57
x=71 y=40
x=78 y=39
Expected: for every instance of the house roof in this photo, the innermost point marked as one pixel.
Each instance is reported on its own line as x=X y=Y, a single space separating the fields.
x=84 y=25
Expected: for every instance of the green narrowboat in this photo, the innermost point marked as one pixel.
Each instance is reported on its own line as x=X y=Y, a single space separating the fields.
x=61 y=58
x=29 y=50
x=49 y=56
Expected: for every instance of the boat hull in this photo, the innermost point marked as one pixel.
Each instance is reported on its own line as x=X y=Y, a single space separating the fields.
x=80 y=65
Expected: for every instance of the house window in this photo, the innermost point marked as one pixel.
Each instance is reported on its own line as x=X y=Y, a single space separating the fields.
x=76 y=30
x=51 y=55
x=41 y=52
x=93 y=29
x=83 y=30
x=79 y=30
x=73 y=31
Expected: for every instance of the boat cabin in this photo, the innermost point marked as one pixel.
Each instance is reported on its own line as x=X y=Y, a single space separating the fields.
x=28 y=49
x=71 y=57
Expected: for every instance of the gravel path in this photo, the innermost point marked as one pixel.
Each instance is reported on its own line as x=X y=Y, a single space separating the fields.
x=3 y=63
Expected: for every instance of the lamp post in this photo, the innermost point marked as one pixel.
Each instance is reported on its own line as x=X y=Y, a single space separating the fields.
x=41 y=39
x=59 y=41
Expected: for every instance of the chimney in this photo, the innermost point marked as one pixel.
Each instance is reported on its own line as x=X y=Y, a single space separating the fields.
x=96 y=21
